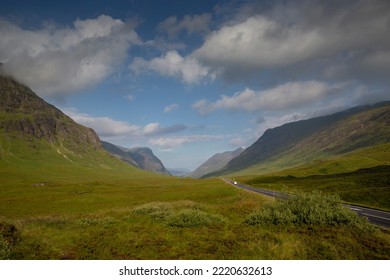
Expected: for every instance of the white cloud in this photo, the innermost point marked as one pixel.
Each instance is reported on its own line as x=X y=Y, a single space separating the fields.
x=156 y=129
x=170 y=108
x=192 y=24
x=285 y=96
x=172 y=64
x=260 y=42
x=105 y=126
x=177 y=141
x=108 y=127
x=204 y=107
x=169 y=143
x=56 y=61
x=152 y=128
x=296 y=32
x=239 y=142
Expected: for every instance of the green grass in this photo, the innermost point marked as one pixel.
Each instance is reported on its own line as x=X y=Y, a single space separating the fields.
x=343 y=175
x=92 y=206
x=319 y=164
x=368 y=187
x=168 y=219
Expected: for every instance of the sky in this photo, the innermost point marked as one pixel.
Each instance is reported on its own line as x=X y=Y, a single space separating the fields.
x=190 y=79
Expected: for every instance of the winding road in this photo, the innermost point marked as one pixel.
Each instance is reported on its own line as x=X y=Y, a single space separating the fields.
x=378 y=217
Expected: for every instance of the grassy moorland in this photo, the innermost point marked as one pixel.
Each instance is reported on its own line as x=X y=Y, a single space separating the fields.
x=361 y=177
x=58 y=204
x=168 y=218
x=367 y=187
x=292 y=164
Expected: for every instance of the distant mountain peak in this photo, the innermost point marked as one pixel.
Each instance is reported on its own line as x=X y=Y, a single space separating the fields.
x=141 y=157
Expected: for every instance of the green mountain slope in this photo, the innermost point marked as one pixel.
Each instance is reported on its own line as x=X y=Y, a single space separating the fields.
x=318 y=139
x=215 y=163
x=38 y=143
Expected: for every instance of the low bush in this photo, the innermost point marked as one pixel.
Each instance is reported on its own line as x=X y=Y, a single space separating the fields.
x=179 y=214
x=157 y=210
x=306 y=209
x=5 y=248
x=9 y=235
x=192 y=218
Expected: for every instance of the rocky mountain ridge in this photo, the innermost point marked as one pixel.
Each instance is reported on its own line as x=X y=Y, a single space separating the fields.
x=141 y=157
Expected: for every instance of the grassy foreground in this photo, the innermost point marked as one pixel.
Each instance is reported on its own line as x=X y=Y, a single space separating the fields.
x=166 y=218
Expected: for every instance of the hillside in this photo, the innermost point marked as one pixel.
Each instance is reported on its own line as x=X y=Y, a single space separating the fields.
x=40 y=143
x=215 y=163
x=140 y=157
x=26 y=116
x=302 y=142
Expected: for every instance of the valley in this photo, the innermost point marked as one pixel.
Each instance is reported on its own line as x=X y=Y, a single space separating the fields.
x=64 y=196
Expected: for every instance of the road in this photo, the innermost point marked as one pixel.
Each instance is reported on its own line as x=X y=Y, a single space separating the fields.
x=378 y=217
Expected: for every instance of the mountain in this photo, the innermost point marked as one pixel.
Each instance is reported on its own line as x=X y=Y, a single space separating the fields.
x=216 y=162
x=26 y=116
x=179 y=172
x=301 y=142
x=140 y=157
x=39 y=142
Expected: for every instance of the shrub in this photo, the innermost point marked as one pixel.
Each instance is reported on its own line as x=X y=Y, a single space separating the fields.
x=9 y=233
x=192 y=218
x=272 y=214
x=151 y=207
x=178 y=214
x=306 y=209
x=5 y=249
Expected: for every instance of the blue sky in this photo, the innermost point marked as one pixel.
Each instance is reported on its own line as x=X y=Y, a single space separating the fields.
x=193 y=78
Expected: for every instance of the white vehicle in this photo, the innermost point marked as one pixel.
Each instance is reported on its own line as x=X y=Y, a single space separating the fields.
x=235 y=182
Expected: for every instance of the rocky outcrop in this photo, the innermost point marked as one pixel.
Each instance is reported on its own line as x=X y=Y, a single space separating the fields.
x=26 y=115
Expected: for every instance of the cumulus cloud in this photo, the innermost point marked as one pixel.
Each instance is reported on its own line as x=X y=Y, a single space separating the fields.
x=108 y=127
x=191 y=24
x=285 y=96
x=298 y=32
x=172 y=64
x=57 y=61
x=104 y=126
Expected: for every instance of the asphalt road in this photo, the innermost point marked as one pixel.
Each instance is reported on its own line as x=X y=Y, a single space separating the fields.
x=378 y=217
